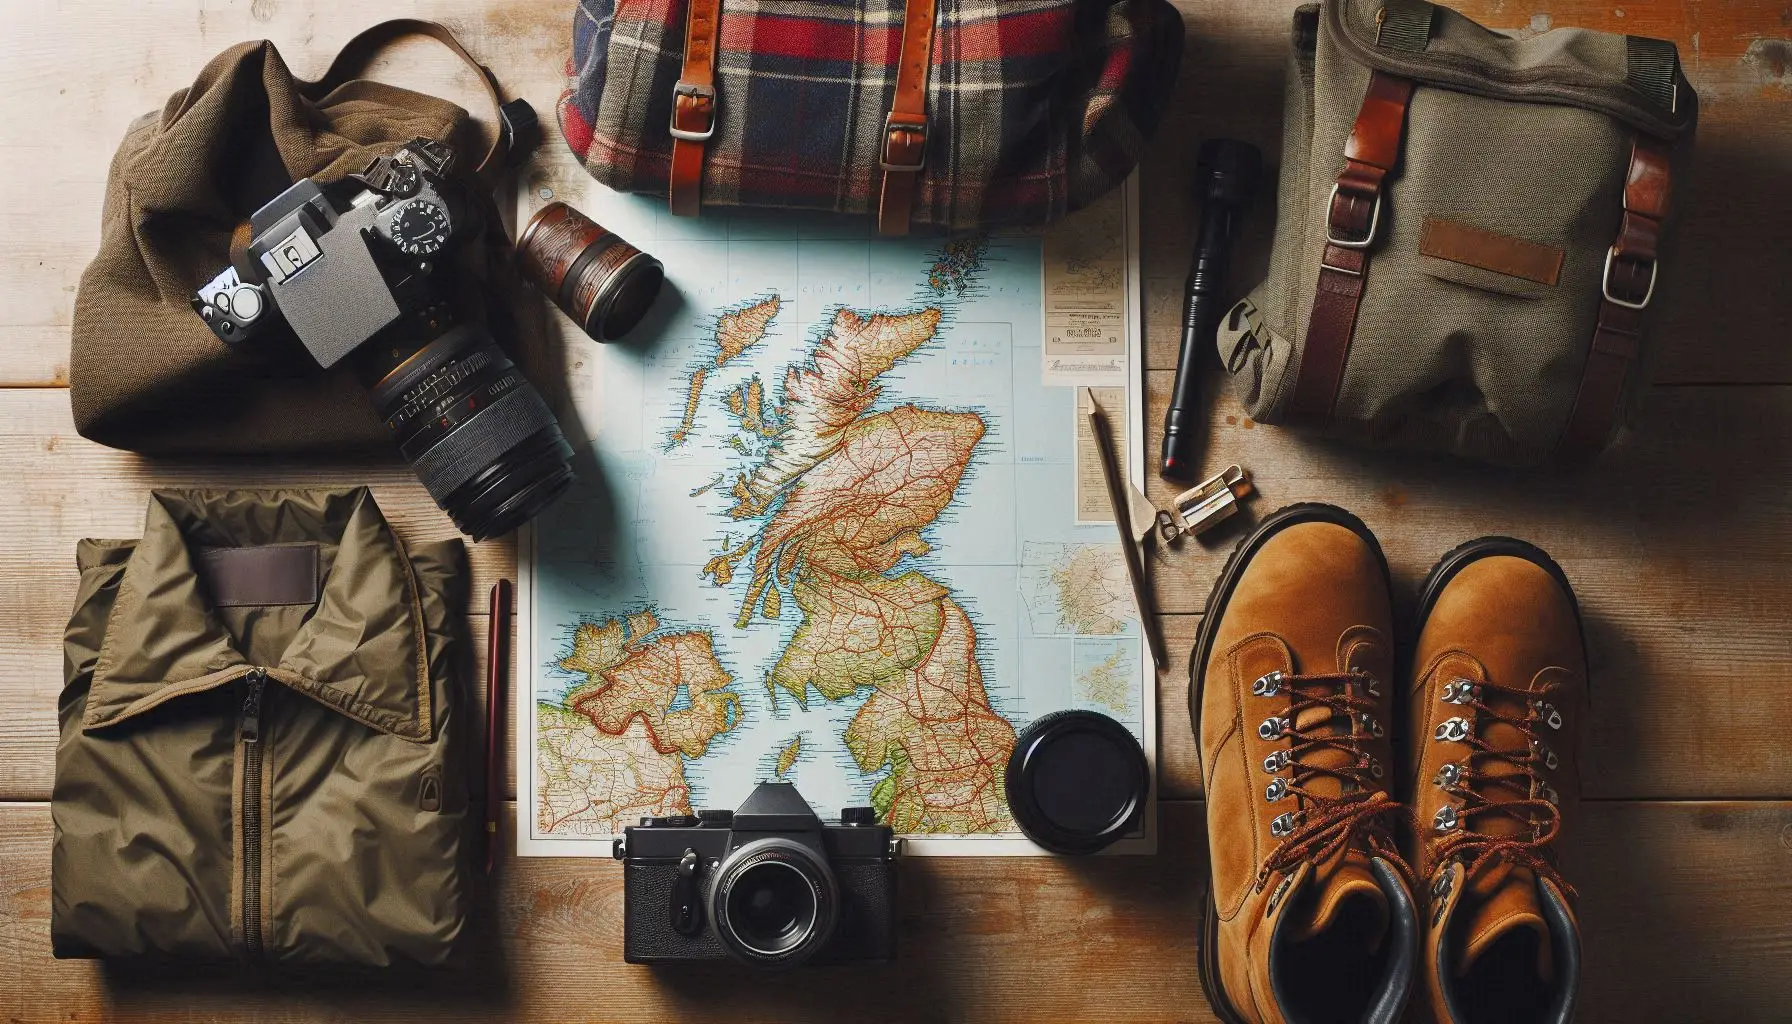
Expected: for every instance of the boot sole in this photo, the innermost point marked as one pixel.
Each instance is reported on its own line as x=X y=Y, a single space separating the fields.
x=1207 y=952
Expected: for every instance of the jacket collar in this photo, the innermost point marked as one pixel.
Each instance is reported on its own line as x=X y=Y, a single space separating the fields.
x=361 y=650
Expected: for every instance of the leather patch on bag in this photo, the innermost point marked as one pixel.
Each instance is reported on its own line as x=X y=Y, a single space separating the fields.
x=1502 y=254
x=271 y=574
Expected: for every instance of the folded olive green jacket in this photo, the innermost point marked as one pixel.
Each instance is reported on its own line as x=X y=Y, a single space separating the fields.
x=261 y=748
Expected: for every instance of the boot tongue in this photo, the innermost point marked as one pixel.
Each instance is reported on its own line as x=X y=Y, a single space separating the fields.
x=1323 y=721
x=1345 y=878
x=1333 y=886
x=1502 y=899
x=1502 y=902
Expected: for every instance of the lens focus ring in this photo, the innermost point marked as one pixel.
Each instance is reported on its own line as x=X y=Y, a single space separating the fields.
x=774 y=903
x=481 y=440
x=478 y=434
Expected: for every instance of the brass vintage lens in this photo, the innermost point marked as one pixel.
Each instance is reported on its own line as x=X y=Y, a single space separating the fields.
x=605 y=284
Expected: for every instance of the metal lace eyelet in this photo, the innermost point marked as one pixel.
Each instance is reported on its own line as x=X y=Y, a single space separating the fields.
x=1374 y=766
x=1276 y=790
x=1460 y=691
x=1447 y=776
x=1282 y=825
x=1276 y=761
x=1370 y=725
x=1445 y=819
x=1369 y=683
x=1441 y=887
x=1267 y=684
x=1547 y=711
x=1272 y=728
x=1545 y=791
x=1454 y=730
x=1547 y=755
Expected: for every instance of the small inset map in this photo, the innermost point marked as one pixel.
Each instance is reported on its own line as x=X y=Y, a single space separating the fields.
x=1076 y=589
x=1105 y=676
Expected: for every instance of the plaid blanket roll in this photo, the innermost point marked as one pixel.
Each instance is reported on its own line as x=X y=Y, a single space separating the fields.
x=1036 y=107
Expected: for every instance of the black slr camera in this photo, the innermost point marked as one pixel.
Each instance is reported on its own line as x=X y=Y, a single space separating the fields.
x=770 y=884
x=343 y=265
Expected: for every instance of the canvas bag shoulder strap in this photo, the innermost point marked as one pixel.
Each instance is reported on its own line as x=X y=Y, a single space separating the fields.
x=358 y=52
x=1627 y=286
x=1353 y=218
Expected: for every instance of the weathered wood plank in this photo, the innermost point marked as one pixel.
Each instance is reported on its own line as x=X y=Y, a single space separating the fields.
x=984 y=940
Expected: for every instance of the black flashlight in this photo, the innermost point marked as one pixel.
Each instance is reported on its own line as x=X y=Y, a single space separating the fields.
x=1225 y=176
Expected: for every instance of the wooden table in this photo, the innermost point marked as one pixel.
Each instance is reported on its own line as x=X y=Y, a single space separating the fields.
x=1679 y=547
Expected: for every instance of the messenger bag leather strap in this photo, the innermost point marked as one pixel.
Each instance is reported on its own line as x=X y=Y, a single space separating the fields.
x=358 y=52
x=904 y=149
x=1627 y=285
x=694 y=106
x=1353 y=218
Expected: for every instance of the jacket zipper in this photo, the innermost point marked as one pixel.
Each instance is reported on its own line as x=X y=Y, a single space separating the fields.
x=249 y=731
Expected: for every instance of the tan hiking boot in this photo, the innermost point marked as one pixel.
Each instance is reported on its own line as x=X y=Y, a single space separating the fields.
x=1498 y=695
x=1310 y=914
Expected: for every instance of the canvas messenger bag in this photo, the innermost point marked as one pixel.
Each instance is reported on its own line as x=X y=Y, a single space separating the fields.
x=263 y=733
x=923 y=113
x=1469 y=233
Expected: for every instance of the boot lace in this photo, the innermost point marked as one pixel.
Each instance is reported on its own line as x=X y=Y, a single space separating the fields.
x=1363 y=812
x=1533 y=804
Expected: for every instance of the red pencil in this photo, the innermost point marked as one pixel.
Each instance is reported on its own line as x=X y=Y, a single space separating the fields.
x=497 y=667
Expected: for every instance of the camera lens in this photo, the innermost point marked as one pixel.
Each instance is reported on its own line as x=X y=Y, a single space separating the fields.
x=772 y=907
x=774 y=902
x=479 y=435
x=605 y=284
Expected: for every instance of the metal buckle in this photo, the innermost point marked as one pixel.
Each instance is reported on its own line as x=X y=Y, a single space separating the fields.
x=705 y=92
x=1366 y=240
x=1605 y=283
x=891 y=127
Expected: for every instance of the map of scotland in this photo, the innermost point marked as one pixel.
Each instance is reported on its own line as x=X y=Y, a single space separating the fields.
x=798 y=546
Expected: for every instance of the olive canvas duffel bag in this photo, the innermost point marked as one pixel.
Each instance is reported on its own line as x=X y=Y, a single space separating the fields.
x=1468 y=233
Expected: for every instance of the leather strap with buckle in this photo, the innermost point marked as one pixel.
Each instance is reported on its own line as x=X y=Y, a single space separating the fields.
x=694 y=106
x=904 y=150
x=1353 y=220
x=1627 y=286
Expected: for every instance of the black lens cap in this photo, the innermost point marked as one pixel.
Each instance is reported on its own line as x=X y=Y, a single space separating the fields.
x=1077 y=781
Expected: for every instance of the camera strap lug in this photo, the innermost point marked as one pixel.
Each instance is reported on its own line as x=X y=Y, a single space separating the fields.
x=685 y=909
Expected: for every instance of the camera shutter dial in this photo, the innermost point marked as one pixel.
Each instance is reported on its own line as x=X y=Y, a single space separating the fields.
x=420 y=227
